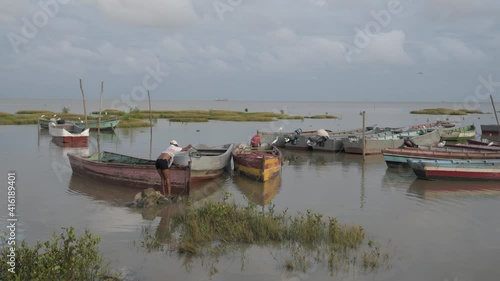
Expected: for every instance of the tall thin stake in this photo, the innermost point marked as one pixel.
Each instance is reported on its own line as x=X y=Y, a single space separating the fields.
x=84 y=108
x=364 y=140
x=99 y=120
x=150 y=128
x=494 y=109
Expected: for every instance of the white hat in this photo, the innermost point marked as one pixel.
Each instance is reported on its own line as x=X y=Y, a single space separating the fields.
x=174 y=142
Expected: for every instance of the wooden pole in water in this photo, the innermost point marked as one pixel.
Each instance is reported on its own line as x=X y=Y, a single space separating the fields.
x=84 y=108
x=150 y=128
x=99 y=120
x=494 y=109
x=363 y=128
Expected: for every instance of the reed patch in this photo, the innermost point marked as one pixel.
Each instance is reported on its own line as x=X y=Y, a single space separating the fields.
x=445 y=111
x=297 y=242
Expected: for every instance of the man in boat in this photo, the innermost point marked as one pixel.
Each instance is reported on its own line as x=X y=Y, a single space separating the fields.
x=255 y=141
x=164 y=162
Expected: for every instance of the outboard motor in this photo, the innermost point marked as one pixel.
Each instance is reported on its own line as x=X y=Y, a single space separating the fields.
x=319 y=139
x=60 y=121
x=293 y=137
x=409 y=143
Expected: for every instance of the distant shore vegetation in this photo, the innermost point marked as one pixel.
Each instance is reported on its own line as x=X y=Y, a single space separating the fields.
x=140 y=118
x=445 y=111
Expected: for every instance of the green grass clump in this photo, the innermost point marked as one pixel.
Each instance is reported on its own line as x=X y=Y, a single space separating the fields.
x=39 y=112
x=324 y=116
x=216 y=228
x=63 y=257
x=445 y=111
x=133 y=123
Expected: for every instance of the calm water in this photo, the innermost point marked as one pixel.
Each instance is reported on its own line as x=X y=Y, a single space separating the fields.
x=442 y=230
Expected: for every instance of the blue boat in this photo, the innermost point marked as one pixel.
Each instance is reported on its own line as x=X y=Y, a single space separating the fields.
x=456 y=169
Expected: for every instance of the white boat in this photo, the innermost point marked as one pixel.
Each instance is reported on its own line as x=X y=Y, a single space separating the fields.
x=206 y=162
x=68 y=133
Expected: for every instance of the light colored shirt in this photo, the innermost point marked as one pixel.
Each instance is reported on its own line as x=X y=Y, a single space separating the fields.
x=171 y=150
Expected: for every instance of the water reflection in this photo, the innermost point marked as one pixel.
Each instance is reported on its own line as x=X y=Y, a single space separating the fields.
x=118 y=195
x=261 y=193
x=443 y=188
x=309 y=157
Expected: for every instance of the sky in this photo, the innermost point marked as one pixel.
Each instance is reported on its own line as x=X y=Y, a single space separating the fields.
x=279 y=50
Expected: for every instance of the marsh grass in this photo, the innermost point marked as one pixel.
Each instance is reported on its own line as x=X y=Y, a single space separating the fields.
x=445 y=111
x=138 y=118
x=65 y=256
x=297 y=242
x=30 y=117
x=133 y=123
x=324 y=116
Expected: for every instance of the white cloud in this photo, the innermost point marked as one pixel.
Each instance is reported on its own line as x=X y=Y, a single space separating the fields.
x=235 y=48
x=451 y=49
x=220 y=65
x=459 y=51
x=173 y=47
x=291 y=51
x=386 y=47
x=160 y=13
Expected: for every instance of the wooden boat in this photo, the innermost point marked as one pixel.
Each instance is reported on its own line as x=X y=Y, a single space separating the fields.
x=261 y=193
x=485 y=143
x=105 y=125
x=458 y=133
x=206 y=162
x=399 y=156
x=259 y=163
x=333 y=142
x=490 y=130
x=456 y=169
x=280 y=139
x=68 y=133
x=43 y=123
x=376 y=142
x=472 y=147
x=127 y=170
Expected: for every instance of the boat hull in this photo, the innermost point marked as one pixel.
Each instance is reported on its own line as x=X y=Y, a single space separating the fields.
x=458 y=133
x=375 y=144
x=490 y=130
x=68 y=134
x=259 y=165
x=399 y=156
x=206 y=163
x=107 y=125
x=454 y=169
x=140 y=175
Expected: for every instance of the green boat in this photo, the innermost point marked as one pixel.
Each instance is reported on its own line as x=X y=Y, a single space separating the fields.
x=106 y=125
x=458 y=133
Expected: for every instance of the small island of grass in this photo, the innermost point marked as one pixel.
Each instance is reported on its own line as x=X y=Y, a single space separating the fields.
x=214 y=229
x=445 y=111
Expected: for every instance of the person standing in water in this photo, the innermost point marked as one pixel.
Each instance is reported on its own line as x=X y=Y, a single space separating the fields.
x=164 y=162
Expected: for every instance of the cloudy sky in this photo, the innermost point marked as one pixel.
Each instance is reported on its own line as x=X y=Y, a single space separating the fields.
x=319 y=50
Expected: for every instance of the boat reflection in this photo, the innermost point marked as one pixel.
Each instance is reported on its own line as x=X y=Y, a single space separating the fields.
x=309 y=157
x=398 y=177
x=80 y=150
x=444 y=188
x=261 y=193
x=118 y=195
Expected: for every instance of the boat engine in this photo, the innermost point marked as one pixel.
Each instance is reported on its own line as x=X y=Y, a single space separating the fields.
x=319 y=139
x=409 y=143
x=293 y=137
x=60 y=121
